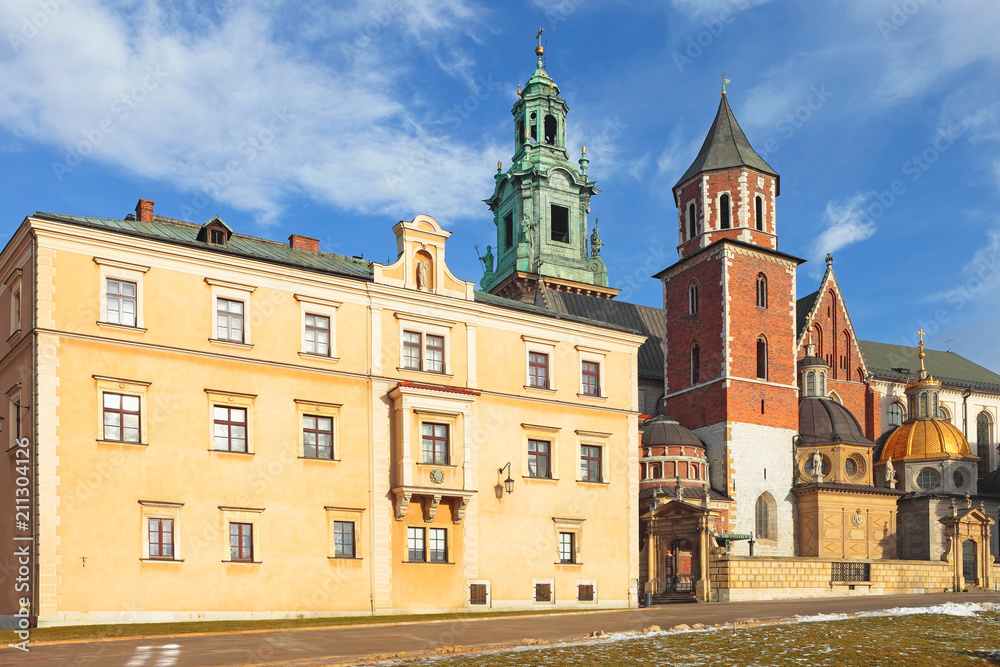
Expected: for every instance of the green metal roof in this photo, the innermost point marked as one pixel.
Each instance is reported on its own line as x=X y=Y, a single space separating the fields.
x=725 y=147
x=493 y=300
x=900 y=363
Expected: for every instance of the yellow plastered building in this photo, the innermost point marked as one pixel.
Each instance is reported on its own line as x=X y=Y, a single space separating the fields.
x=225 y=427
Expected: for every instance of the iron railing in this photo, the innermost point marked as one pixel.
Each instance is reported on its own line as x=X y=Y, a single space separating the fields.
x=851 y=572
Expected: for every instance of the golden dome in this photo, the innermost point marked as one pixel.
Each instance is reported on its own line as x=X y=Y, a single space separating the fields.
x=925 y=439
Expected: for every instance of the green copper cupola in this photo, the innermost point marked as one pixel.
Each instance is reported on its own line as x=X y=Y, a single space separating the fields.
x=541 y=203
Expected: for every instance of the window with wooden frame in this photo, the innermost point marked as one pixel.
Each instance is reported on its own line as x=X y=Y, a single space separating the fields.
x=122 y=302
x=566 y=550
x=230 y=428
x=478 y=594
x=317 y=437
x=538 y=370
x=343 y=539
x=229 y=320
x=435 y=443
x=585 y=592
x=415 y=547
x=543 y=592
x=423 y=352
x=590 y=463
x=122 y=418
x=540 y=459
x=317 y=335
x=161 y=538
x=591 y=378
x=241 y=542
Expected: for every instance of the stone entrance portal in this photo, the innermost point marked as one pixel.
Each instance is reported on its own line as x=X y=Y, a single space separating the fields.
x=969 y=561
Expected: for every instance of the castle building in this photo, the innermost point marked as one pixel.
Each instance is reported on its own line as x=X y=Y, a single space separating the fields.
x=266 y=430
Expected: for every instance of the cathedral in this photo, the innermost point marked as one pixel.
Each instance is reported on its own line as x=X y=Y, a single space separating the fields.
x=781 y=456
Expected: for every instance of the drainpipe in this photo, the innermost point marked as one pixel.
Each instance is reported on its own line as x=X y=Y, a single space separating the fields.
x=965 y=413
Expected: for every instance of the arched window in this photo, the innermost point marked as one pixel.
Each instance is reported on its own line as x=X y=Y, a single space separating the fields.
x=550 y=130
x=923 y=404
x=695 y=364
x=822 y=383
x=654 y=472
x=944 y=413
x=762 y=358
x=762 y=290
x=983 y=430
x=764 y=512
x=759 y=213
x=935 y=410
x=811 y=383
x=861 y=375
x=692 y=221
x=520 y=132
x=724 y=212
x=895 y=414
x=692 y=298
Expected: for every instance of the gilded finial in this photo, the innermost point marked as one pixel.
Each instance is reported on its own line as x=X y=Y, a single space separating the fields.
x=921 y=354
x=519 y=90
x=499 y=166
x=724 y=82
x=584 y=150
x=539 y=50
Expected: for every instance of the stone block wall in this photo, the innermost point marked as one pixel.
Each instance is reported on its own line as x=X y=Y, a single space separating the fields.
x=774 y=578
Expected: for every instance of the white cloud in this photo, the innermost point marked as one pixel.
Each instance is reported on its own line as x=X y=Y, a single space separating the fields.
x=706 y=8
x=127 y=84
x=845 y=223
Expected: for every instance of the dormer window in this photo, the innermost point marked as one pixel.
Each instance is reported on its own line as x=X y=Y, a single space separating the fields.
x=215 y=232
x=218 y=236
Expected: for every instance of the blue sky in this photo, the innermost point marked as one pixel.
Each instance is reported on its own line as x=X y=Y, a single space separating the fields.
x=335 y=120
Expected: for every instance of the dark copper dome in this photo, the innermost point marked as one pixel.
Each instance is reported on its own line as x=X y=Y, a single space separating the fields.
x=824 y=421
x=664 y=430
x=990 y=485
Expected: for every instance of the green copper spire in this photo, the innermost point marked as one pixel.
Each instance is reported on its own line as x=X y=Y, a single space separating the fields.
x=540 y=204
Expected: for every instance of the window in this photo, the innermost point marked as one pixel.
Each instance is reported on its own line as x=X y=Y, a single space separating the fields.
x=540 y=459
x=317 y=334
x=845 y=358
x=343 y=539
x=230 y=428
x=317 y=437
x=923 y=404
x=585 y=592
x=15 y=308
x=811 y=383
x=241 y=542
x=590 y=463
x=958 y=477
x=520 y=132
x=724 y=212
x=984 y=440
x=218 y=236
x=695 y=364
x=122 y=302
x=543 y=592
x=762 y=290
x=566 y=552
x=763 y=519
x=427 y=545
x=759 y=213
x=122 y=418
x=692 y=221
x=423 y=352
x=927 y=479
x=822 y=383
x=434 y=443
x=817 y=336
x=229 y=320
x=550 y=130
x=591 y=375
x=560 y=223
x=762 y=358
x=477 y=594
x=692 y=298
x=538 y=370
x=161 y=538
x=508 y=230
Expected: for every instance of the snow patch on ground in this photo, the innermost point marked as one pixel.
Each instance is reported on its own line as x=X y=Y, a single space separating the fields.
x=947 y=609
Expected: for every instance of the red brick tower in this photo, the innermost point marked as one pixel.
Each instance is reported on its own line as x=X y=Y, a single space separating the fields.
x=730 y=337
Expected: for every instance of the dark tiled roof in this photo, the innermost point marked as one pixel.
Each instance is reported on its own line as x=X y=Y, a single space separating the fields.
x=186 y=233
x=900 y=363
x=642 y=319
x=667 y=492
x=664 y=430
x=493 y=300
x=852 y=488
x=824 y=421
x=803 y=307
x=726 y=146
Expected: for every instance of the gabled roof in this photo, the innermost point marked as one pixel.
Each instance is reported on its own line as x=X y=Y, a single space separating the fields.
x=725 y=147
x=803 y=307
x=642 y=319
x=900 y=363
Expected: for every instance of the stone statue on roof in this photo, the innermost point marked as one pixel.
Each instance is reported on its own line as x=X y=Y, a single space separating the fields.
x=595 y=243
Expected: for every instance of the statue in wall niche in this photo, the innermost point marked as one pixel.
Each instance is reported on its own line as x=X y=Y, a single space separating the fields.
x=890 y=474
x=595 y=243
x=422 y=275
x=527 y=233
x=818 y=466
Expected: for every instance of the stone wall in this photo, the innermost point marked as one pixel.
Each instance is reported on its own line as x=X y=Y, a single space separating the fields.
x=771 y=578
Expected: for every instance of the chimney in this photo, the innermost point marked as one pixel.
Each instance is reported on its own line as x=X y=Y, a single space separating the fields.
x=144 y=210
x=303 y=242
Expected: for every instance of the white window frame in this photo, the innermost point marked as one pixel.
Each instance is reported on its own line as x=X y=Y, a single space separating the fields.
x=347 y=514
x=537 y=432
x=593 y=439
x=310 y=305
x=317 y=409
x=249 y=515
x=595 y=356
x=574 y=527
x=425 y=325
x=222 y=289
x=153 y=509
x=539 y=346
x=123 y=271
x=13 y=283
x=110 y=385
x=231 y=400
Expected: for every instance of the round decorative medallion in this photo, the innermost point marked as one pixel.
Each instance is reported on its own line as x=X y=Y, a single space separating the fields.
x=437 y=476
x=858 y=519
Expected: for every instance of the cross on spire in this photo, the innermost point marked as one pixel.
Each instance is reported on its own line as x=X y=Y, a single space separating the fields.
x=724 y=82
